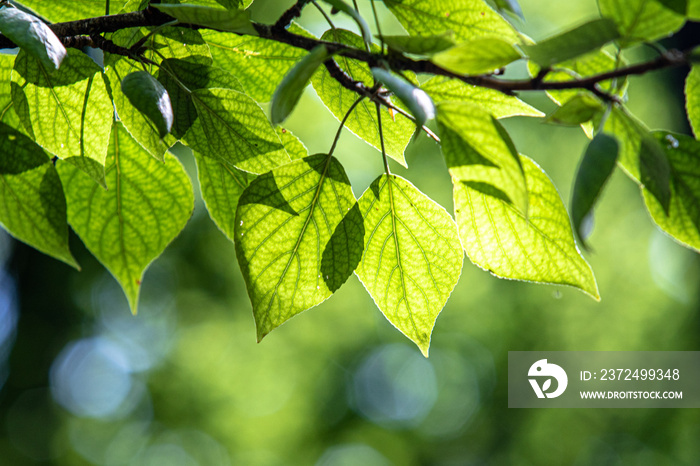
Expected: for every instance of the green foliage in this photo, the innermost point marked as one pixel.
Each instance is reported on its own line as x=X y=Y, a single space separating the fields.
x=292 y=86
x=196 y=73
x=32 y=204
x=586 y=38
x=596 y=166
x=477 y=56
x=214 y=18
x=129 y=224
x=298 y=238
x=363 y=121
x=32 y=35
x=412 y=256
x=67 y=111
x=149 y=97
x=538 y=248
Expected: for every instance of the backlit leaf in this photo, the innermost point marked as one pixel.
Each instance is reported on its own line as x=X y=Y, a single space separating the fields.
x=477 y=56
x=33 y=35
x=214 y=18
x=180 y=78
x=257 y=63
x=298 y=238
x=577 y=110
x=571 y=44
x=128 y=225
x=420 y=45
x=468 y=19
x=692 y=98
x=641 y=155
x=363 y=120
x=70 y=11
x=222 y=186
x=478 y=150
x=340 y=5
x=412 y=256
x=232 y=128
x=7 y=110
x=138 y=124
x=683 y=219
x=498 y=104
x=539 y=248
x=640 y=20
x=32 y=204
x=68 y=111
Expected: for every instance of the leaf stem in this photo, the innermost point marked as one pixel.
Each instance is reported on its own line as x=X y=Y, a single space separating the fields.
x=342 y=123
x=376 y=21
x=381 y=138
x=325 y=15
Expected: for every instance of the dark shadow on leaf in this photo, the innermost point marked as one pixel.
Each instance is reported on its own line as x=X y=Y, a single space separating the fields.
x=488 y=189
x=655 y=170
x=263 y=190
x=343 y=252
x=467 y=155
x=18 y=153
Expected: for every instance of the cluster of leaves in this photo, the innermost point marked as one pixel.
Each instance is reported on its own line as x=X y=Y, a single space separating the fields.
x=87 y=145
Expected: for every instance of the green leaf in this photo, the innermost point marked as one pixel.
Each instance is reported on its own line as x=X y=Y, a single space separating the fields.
x=571 y=44
x=67 y=111
x=477 y=56
x=257 y=63
x=683 y=219
x=340 y=5
x=415 y=99
x=129 y=225
x=222 y=186
x=478 y=150
x=214 y=18
x=577 y=110
x=509 y=6
x=678 y=6
x=292 y=144
x=32 y=204
x=298 y=238
x=180 y=78
x=149 y=97
x=412 y=256
x=61 y=11
x=139 y=125
x=539 y=248
x=692 y=98
x=693 y=12
x=641 y=20
x=596 y=166
x=233 y=129
x=293 y=84
x=363 y=120
x=420 y=45
x=170 y=42
x=469 y=19
x=33 y=35
x=7 y=110
x=442 y=89
x=641 y=155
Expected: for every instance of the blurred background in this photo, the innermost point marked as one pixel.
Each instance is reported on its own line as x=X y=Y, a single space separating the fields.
x=83 y=382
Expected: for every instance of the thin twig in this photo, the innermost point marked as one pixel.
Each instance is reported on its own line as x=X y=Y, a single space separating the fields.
x=381 y=138
x=342 y=123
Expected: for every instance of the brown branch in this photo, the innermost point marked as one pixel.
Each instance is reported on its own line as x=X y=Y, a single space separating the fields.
x=70 y=31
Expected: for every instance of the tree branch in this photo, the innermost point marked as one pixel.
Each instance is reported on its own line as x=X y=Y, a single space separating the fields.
x=73 y=34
